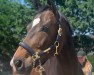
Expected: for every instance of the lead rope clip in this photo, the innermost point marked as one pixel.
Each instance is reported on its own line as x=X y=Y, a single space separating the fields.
x=57 y=45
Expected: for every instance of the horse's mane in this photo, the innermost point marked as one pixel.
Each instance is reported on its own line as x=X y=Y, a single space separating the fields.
x=67 y=21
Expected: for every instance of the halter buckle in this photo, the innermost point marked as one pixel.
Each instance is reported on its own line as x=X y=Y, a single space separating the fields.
x=35 y=56
x=60 y=31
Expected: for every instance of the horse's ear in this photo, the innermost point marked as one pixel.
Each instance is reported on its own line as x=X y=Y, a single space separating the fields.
x=49 y=2
x=53 y=7
x=36 y=4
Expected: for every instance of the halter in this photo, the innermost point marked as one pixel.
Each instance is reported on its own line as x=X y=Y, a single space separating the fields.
x=36 y=55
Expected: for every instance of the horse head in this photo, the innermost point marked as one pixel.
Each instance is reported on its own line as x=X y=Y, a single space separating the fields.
x=37 y=47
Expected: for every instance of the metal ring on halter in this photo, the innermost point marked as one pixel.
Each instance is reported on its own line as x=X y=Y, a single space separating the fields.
x=35 y=56
x=39 y=68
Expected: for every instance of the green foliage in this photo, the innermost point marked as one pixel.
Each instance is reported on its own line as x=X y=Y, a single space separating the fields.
x=91 y=59
x=13 y=20
x=80 y=14
x=84 y=42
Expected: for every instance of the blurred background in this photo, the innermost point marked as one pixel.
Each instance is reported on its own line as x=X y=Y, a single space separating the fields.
x=15 y=15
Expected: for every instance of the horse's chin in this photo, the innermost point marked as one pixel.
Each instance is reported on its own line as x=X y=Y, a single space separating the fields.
x=20 y=74
x=25 y=71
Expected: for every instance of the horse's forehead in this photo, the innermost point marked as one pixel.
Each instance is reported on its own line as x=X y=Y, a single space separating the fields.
x=48 y=17
x=36 y=21
x=45 y=17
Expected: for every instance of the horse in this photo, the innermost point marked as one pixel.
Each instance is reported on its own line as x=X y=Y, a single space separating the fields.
x=48 y=47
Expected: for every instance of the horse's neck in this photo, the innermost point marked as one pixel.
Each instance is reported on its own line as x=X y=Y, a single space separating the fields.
x=60 y=65
x=64 y=64
x=52 y=66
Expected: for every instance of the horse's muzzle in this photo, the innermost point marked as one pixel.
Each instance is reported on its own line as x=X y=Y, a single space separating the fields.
x=19 y=65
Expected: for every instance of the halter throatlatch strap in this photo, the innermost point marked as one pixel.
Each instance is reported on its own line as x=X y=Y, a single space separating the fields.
x=57 y=40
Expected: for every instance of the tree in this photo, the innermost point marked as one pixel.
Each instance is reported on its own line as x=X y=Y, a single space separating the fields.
x=14 y=18
x=80 y=14
x=84 y=42
x=81 y=17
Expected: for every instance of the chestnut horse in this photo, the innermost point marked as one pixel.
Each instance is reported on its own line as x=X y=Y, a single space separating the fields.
x=47 y=48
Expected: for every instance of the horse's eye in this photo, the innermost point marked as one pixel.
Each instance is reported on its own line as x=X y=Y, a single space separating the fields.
x=45 y=28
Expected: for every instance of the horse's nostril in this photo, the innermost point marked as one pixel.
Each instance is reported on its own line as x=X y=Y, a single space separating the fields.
x=18 y=64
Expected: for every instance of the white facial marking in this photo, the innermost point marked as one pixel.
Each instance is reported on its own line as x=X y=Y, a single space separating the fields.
x=11 y=62
x=35 y=22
